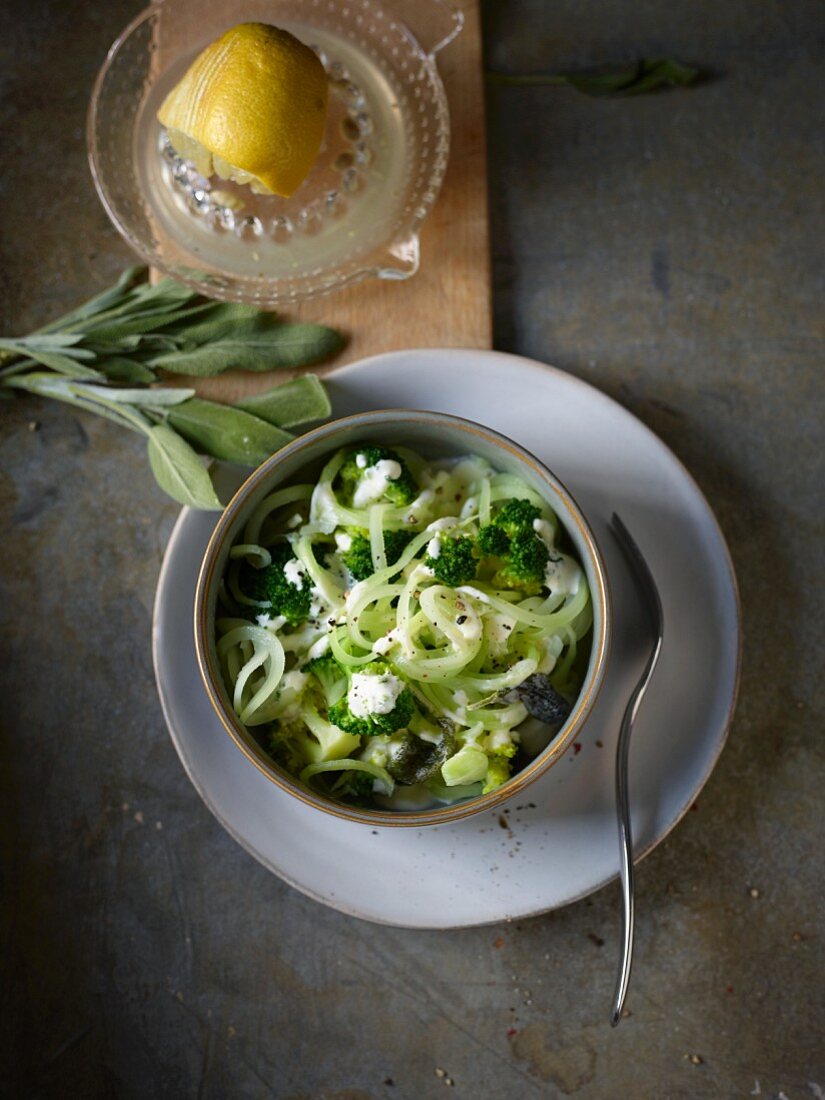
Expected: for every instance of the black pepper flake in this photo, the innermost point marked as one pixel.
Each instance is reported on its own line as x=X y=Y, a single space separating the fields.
x=461 y=619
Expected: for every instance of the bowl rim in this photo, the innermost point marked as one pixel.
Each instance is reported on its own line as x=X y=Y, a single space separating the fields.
x=395 y=258
x=210 y=674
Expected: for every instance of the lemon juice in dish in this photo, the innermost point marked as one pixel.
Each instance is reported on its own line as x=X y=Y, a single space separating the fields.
x=350 y=199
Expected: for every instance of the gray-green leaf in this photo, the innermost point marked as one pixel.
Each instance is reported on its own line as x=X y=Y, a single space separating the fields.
x=155 y=397
x=646 y=74
x=277 y=346
x=179 y=471
x=296 y=402
x=227 y=433
x=119 y=368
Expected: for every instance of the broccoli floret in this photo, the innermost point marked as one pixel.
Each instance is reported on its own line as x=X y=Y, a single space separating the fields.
x=524 y=563
x=286 y=747
x=273 y=584
x=456 y=562
x=371 y=724
x=355 y=784
x=498 y=772
x=515 y=516
x=358 y=559
x=493 y=541
x=399 y=490
x=329 y=677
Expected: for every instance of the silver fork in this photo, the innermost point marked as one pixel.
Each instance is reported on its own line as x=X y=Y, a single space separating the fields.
x=653 y=604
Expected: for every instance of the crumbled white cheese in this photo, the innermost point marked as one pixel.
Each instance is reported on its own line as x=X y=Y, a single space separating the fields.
x=562 y=575
x=372 y=485
x=361 y=461
x=343 y=540
x=434 y=547
x=371 y=694
x=294 y=572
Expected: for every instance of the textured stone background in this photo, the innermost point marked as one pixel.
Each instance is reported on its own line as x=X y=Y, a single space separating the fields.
x=666 y=249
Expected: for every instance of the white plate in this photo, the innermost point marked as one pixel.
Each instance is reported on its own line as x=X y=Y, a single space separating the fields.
x=561 y=843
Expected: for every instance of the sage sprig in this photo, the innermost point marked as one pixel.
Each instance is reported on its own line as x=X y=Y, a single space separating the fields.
x=107 y=355
x=647 y=74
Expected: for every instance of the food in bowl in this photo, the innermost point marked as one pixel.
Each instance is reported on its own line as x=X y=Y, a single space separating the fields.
x=387 y=632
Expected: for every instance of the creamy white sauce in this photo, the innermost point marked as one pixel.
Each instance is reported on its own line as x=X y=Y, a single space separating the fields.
x=545 y=531
x=294 y=572
x=498 y=629
x=470 y=628
x=470 y=507
x=343 y=540
x=372 y=485
x=562 y=575
x=361 y=461
x=295 y=521
x=371 y=694
x=551 y=647
x=476 y=593
x=324 y=508
x=383 y=645
x=319 y=648
x=434 y=547
x=442 y=524
x=270 y=622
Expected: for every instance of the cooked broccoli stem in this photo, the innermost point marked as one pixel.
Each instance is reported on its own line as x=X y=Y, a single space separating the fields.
x=400 y=490
x=271 y=584
x=456 y=562
x=358 y=559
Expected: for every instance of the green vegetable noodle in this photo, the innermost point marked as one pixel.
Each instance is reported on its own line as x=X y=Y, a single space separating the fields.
x=389 y=632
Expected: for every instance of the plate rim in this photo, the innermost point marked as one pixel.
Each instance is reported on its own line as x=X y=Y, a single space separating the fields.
x=593 y=392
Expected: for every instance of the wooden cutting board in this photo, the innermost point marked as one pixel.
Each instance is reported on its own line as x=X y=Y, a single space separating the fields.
x=447 y=303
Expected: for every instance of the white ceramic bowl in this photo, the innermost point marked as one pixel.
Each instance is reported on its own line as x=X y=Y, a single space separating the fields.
x=434 y=435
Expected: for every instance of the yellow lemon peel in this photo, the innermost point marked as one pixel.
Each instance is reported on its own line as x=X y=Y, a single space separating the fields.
x=251 y=108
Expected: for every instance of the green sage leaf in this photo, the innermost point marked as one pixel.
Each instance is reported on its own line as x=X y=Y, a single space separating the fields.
x=107 y=299
x=292 y=403
x=179 y=471
x=155 y=397
x=119 y=368
x=278 y=346
x=630 y=78
x=225 y=432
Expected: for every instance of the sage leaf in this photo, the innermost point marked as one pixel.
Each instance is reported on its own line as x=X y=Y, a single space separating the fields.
x=119 y=368
x=292 y=403
x=153 y=398
x=69 y=391
x=630 y=78
x=148 y=322
x=61 y=360
x=278 y=346
x=107 y=299
x=225 y=432
x=179 y=471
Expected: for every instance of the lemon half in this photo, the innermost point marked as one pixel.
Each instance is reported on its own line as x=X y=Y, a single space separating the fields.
x=252 y=108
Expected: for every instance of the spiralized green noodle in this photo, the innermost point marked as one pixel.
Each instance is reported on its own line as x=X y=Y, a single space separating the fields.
x=460 y=650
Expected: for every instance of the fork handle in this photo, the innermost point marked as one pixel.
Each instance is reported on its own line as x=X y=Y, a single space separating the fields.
x=625 y=860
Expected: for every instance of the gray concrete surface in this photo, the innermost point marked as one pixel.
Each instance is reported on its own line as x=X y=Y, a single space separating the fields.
x=667 y=249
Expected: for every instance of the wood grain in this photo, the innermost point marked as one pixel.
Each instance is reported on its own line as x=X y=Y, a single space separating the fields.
x=447 y=303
